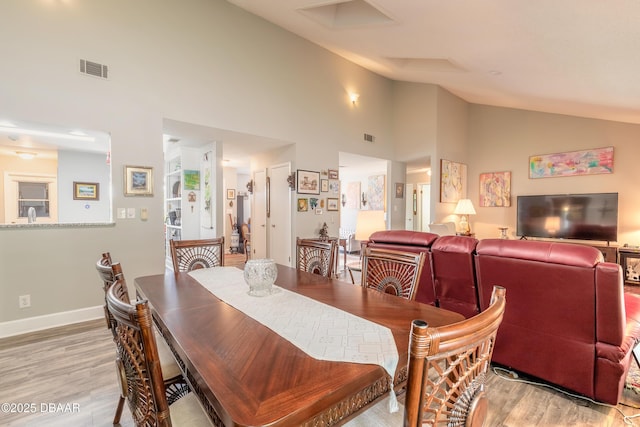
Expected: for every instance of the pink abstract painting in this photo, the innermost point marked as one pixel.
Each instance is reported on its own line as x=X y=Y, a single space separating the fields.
x=495 y=189
x=571 y=163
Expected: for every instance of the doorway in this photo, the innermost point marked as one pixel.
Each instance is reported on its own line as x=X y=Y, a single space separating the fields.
x=243 y=157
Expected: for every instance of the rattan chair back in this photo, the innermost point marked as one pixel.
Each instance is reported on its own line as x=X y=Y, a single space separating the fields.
x=316 y=256
x=392 y=272
x=190 y=255
x=103 y=266
x=246 y=240
x=138 y=361
x=448 y=367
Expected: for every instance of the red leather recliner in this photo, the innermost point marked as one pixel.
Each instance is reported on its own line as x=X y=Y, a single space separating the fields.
x=567 y=319
x=454 y=274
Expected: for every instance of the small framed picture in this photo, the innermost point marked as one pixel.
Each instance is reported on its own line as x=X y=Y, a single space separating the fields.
x=191 y=180
x=231 y=194
x=138 y=181
x=324 y=185
x=308 y=182
x=334 y=186
x=332 y=204
x=86 y=191
x=399 y=190
x=630 y=262
x=303 y=205
x=333 y=174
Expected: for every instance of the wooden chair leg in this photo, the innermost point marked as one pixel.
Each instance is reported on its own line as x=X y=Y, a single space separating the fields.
x=351 y=274
x=116 y=419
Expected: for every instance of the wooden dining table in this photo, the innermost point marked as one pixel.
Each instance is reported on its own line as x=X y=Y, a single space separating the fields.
x=245 y=374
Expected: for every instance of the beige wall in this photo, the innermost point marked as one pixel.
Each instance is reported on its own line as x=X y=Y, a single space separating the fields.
x=451 y=144
x=502 y=139
x=198 y=61
x=208 y=63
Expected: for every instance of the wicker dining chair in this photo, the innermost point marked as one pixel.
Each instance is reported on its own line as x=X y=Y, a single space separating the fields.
x=392 y=272
x=447 y=372
x=246 y=240
x=316 y=256
x=103 y=266
x=175 y=385
x=190 y=255
x=140 y=371
x=448 y=366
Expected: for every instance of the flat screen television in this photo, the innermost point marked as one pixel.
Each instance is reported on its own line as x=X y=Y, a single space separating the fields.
x=591 y=216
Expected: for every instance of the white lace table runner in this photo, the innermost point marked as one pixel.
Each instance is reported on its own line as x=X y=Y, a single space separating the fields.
x=320 y=330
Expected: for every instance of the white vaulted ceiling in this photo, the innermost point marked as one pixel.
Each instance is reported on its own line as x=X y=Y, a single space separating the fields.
x=576 y=57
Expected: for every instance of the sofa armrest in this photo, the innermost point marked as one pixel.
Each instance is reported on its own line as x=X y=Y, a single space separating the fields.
x=610 y=306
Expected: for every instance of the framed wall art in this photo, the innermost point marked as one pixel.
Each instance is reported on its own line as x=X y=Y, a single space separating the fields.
x=352 y=195
x=308 y=182
x=333 y=174
x=86 y=191
x=138 y=181
x=324 y=185
x=571 y=163
x=453 y=181
x=630 y=263
x=399 y=190
x=376 y=192
x=191 y=180
x=303 y=205
x=231 y=193
x=332 y=204
x=495 y=189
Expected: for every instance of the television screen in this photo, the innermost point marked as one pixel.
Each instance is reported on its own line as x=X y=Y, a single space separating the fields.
x=569 y=216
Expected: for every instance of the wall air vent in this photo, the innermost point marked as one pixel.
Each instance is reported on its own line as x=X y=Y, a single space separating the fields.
x=369 y=138
x=94 y=69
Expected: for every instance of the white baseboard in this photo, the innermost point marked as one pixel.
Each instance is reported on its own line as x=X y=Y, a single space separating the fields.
x=38 y=323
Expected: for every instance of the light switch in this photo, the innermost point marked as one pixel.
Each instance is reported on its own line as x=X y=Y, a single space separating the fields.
x=144 y=214
x=131 y=213
x=122 y=213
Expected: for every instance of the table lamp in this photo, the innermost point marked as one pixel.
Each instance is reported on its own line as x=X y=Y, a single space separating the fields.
x=368 y=222
x=464 y=208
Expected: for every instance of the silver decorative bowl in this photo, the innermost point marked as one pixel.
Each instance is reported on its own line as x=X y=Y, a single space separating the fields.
x=260 y=274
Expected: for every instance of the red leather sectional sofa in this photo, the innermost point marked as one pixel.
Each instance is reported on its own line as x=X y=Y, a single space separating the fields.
x=568 y=320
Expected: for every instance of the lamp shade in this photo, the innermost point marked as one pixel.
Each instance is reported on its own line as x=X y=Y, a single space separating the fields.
x=369 y=222
x=464 y=207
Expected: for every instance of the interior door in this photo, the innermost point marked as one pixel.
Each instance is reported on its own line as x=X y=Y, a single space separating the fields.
x=425 y=207
x=259 y=216
x=280 y=214
x=408 y=208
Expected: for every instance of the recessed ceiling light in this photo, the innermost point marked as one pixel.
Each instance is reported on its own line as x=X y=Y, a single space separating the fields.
x=25 y=155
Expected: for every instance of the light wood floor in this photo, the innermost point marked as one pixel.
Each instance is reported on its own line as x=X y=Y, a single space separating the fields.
x=74 y=365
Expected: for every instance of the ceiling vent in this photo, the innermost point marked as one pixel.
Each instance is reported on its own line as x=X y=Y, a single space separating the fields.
x=347 y=14
x=94 y=69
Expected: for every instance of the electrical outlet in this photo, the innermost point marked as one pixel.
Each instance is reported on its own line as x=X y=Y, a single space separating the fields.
x=24 y=301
